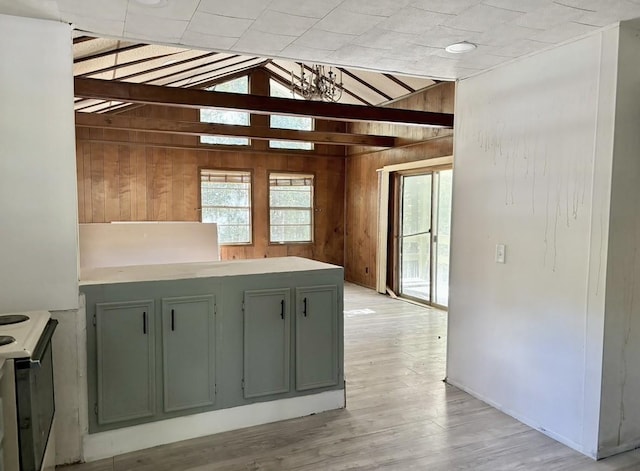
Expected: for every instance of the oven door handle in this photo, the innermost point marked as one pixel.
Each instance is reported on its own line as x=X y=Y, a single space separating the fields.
x=41 y=346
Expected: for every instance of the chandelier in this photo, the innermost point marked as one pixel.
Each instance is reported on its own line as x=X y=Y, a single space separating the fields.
x=315 y=83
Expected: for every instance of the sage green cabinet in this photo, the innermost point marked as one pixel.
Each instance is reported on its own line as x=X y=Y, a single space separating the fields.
x=316 y=337
x=266 y=342
x=125 y=342
x=188 y=348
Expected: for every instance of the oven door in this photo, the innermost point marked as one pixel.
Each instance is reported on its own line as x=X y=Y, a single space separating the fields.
x=35 y=401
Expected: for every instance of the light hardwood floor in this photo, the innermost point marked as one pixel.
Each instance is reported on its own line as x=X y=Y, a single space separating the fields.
x=399 y=416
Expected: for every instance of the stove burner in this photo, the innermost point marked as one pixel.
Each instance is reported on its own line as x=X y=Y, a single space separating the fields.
x=6 y=340
x=13 y=319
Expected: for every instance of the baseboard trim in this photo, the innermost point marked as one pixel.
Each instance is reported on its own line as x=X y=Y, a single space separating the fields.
x=101 y=445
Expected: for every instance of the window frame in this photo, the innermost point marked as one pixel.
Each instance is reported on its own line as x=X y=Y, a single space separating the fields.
x=312 y=209
x=289 y=149
x=249 y=143
x=251 y=201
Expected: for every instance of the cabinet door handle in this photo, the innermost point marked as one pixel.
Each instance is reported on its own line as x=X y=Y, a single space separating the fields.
x=282 y=309
x=144 y=322
x=304 y=308
x=173 y=319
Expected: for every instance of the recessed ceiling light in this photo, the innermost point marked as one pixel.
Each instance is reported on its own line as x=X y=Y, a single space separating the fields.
x=460 y=48
x=151 y=3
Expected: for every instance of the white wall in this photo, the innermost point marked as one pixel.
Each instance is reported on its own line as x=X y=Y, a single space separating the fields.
x=38 y=196
x=533 y=144
x=620 y=415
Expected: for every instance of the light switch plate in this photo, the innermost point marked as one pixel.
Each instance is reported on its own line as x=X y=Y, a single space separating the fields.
x=500 y=253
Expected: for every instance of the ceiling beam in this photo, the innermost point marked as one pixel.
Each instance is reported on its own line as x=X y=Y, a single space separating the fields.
x=110 y=52
x=365 y=83
x=395 y=79
x=191 y=98
x=126 y=123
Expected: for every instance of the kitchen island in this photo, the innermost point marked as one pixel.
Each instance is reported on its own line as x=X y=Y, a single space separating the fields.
x=182 y=350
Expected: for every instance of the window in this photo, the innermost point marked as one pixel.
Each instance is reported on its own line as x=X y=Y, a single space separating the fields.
x=288 y=122
x=239 y=85
x=290 y=208
x=225 y=198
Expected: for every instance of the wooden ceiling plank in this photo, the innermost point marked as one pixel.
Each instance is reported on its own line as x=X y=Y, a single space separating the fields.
x=82 y=39
x=175 y=64
x=193 y=98
x=125 y=123
x=126 y=64
x=365 y=83
x=109 y=53
x=395 y=79
x=207 y=72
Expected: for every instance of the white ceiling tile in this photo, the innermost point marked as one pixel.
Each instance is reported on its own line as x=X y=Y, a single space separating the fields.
x=260 y=43
x=414 y=20
x=503 y=35
x=381 y=39
x=563 y=32
x=317 y=9
x=43 y=9
x=234 y=8
x=143 y=26
x=318 y=39
x=481 y=18
x=451 y=7
x=517 y=5
x=207 y=41
x=182 y=10
x=348 y=22
x=98 y=26
x=307 y=54
x=442 y=36
x=374 y=7
x=414 y=53
x=283 y=23
x=611 y=11
x=549 y=16
x=520 y=47
x=217 y=25
x=360 y=56
x=112 y=10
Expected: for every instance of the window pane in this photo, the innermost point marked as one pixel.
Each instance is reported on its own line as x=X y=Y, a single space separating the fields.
x=299 y=123
x=290 y=197
x=226 y=200
x=291 y=208
x=220 y=116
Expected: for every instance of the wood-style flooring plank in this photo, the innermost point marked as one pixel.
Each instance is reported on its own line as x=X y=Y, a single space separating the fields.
x=400 y=415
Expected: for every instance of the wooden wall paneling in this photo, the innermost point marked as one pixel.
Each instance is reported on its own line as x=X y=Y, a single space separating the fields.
x=97 y=183
x=111 y=184
x=80 y=179
x=177 y=185
x=124 y=161
x=191 y=186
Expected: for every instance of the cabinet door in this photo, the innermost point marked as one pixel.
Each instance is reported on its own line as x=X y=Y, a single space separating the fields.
x=126 y=360
x=316 y=337
x=188 y=345
x=266 y=342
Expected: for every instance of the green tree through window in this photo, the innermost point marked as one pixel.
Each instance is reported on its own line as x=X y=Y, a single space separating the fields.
x=298 y=123
x=226 y=200
x=219 y=116
x=290 y=208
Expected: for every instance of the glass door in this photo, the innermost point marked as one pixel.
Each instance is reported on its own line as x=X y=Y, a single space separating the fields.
x=422 y=235
x=414 y=236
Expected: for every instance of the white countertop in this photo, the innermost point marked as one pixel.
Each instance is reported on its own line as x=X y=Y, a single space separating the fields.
x=180 y=271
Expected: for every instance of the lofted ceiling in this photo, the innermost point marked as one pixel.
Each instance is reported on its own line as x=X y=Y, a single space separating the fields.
x=112 y=59
x=394 y=36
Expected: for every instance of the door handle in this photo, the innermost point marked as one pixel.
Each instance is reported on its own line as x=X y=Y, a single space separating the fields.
x=173 y=319
x=282 y=309
x=304 y=307
x=144 y=322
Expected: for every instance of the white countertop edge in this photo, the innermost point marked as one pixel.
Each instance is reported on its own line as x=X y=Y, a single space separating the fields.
x=181 y=271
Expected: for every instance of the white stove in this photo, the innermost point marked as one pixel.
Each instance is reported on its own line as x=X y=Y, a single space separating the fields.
x=27 y=399
x=20 y=332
